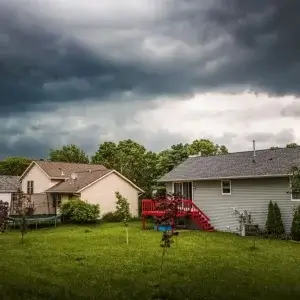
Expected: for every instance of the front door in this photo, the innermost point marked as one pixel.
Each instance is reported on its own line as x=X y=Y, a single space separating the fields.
x=184 y=189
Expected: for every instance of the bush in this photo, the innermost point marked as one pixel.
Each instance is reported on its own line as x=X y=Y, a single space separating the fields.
x=274 y=224
x=279 y=229
x=295 y=230
x=270 y=224
x=79 y=211
x=111 y=217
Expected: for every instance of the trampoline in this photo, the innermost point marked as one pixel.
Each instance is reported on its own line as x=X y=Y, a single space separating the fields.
x=36 y=219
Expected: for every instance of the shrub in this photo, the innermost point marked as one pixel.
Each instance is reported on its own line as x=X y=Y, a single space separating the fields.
x=79 y=211
x=111 y=217
x=279 y=229
x=295 y=230
x=274 y=224
x=270 y=224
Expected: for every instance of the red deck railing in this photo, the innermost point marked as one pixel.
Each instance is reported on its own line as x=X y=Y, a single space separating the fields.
x=150 y=207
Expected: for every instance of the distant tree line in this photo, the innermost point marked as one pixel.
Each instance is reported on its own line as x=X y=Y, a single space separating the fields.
x=133 y=160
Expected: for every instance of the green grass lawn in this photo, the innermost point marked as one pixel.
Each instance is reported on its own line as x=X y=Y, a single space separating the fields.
x=73 y=262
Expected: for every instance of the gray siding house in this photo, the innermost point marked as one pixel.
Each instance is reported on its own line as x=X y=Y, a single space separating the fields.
x=242 y=180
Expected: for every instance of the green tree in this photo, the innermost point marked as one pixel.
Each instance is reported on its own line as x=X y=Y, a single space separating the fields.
x=292 y=145
x=107 y=155
x=206 y=147
x=279 y=228
x=123 y=211
x=295 y=230
x=69 y=153
x=14 y=166
x=270 y=224
x=170 y=158
x=130 y=159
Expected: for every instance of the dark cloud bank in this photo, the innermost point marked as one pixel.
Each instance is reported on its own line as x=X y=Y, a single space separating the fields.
x=41 y=67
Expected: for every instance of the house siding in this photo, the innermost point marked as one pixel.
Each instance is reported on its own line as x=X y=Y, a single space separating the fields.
x=246 y=194
x=42 y=182
x=103 y=193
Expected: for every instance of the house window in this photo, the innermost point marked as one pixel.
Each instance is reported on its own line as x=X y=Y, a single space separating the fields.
x=183 y=189
x=30 y=187
x=226 y=187
x=295 y=194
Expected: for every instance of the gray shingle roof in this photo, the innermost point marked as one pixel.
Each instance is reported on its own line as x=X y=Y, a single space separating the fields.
x=9 y=183
x=240 y=164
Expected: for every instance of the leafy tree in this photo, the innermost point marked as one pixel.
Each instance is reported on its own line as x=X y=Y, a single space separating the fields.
x=295 y=230
x=206 y=147
x=170 y=158
x=107 y=155
x=292 y=145
x=123 y=211
x=14 y=166
x=79 y=211
x=279 y=228
x=69 y=153
x=23 y=207
x=270 y=224
x=132 y=160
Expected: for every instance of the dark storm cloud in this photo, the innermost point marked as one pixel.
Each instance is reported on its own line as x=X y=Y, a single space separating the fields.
x=266 y=34
x=223 y=46
x=39 y=64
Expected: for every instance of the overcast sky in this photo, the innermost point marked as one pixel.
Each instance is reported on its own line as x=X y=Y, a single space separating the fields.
x=156 y=71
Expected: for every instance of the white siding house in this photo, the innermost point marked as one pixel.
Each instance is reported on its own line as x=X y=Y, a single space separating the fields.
x=219 y=184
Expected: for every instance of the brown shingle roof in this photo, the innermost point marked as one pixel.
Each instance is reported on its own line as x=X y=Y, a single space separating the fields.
x=55 y=169
x=83 y=179
x=9 y=183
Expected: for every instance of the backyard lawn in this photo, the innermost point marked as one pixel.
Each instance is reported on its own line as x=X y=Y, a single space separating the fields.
x=94 y=262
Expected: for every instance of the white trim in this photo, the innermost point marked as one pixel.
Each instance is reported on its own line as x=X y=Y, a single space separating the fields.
x=294 y=200
x=107 y=174
x=225 y=178
x=181 y=182
x=29 y=167
x=225 y=194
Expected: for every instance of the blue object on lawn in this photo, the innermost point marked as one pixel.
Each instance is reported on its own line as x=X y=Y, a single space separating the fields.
x=163 y=227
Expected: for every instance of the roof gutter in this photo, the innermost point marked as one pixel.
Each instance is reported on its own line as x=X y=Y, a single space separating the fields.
x=228 y=177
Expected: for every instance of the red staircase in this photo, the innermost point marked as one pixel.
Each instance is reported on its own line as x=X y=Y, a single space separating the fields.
x=186 y=208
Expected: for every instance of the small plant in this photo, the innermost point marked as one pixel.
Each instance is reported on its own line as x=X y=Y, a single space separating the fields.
x=295 y=230
x=3 y=215
x=245 y=220
x=23 y=207
x=123 y=211
x=79 y=211
x=169 y=205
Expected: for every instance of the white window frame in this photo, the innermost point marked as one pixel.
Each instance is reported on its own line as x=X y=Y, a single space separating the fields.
x=30 y=187
x=292 y=199
x=181 y=182
x=225 y=194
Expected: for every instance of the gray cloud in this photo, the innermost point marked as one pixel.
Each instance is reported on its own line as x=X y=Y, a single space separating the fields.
x=291 y=110
x=266 y=138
